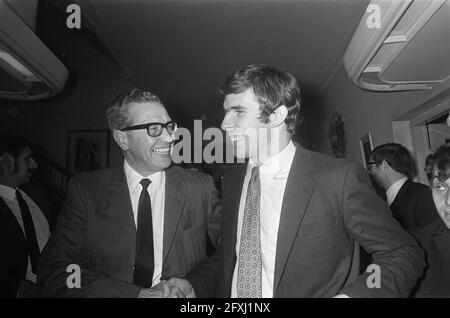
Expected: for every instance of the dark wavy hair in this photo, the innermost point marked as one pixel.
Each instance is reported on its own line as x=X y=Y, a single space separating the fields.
x=397 y=156
x=437 y=164
x=272 y=88
x=13 y=145
x=117 y=113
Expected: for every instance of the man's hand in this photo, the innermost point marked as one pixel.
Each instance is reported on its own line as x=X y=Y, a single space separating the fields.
x=180 y=288
x=161 y=290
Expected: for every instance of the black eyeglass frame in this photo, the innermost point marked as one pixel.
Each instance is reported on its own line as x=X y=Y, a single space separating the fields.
x=370 y=163
x=148 y=125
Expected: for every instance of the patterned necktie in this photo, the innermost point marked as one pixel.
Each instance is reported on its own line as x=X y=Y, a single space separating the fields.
x=33 y=247
x=250 y=265
x=144 y=262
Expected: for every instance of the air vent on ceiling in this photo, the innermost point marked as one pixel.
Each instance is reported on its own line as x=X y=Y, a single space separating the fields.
x=28 y=69
x=408 y=50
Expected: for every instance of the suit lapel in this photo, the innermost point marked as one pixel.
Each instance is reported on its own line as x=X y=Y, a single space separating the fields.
x=173 y=207
x=232 y=189
x=9 y=216
x=401 y=192
x=441 y=240
x=299 y=188
x=119 y=198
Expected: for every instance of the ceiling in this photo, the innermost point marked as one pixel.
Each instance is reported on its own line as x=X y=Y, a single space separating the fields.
x=183 y=49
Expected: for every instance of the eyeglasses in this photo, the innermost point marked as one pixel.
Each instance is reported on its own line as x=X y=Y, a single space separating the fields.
x=154 y=129
x=370 y=163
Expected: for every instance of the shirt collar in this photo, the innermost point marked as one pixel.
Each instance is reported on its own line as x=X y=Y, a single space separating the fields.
x=7 y=192
x=393 y=190
x=134 y=178
x=279 y=164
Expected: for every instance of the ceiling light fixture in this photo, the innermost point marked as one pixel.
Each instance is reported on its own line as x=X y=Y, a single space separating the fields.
x=22 y=69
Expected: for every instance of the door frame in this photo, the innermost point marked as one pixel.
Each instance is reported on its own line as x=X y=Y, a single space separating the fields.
x=410 y=129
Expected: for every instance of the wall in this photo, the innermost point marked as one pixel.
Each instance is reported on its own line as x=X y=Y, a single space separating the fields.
x=96 y=80
x=365 y=111
x=439 y=134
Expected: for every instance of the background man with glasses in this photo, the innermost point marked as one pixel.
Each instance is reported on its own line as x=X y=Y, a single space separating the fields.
x=131 y=226
x=392 y=167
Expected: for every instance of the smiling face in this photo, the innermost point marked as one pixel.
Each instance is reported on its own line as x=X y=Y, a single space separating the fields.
x=143 y=153
x=441 y=198
x=243 y=125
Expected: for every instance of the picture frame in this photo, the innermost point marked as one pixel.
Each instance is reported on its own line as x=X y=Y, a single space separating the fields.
x=366 y=145
x=87 y=149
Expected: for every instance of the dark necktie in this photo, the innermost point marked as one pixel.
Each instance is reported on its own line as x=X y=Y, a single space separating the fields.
x=33 y=247
x=249 y=280
x=144 y=263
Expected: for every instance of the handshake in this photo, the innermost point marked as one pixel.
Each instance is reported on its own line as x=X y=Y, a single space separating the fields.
x=172 y=288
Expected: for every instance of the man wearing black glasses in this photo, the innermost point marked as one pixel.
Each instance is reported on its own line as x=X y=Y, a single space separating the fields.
x=129 y=227
x=392 y=167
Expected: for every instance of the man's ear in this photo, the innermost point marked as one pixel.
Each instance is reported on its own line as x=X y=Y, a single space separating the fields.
x=7 y=162
x=279 y=115
x=385 y=165
x=121 y=139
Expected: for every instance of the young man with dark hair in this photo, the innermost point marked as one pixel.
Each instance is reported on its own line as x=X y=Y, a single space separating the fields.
x=293 y=219
x=392 y=167
x=435 y=238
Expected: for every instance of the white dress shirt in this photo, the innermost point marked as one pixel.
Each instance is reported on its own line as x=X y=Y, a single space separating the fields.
x=394 y=189
x=39 y=220
x=273 y=177
x=157 y=191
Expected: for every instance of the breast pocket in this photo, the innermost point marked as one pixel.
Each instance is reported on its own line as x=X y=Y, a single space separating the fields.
x=193 y=231
x=314 y=229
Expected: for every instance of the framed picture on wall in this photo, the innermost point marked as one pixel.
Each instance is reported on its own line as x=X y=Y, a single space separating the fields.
x=366 y=144
x=87 y=150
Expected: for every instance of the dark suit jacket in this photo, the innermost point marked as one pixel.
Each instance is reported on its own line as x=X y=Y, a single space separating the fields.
x=435 y=240
x=328 y=208
x=97 y=232
x=14 y=259
x=413 y=206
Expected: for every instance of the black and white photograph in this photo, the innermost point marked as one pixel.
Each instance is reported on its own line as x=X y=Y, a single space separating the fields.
x=87 y=150
x=366 y=148
x=225 y=150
